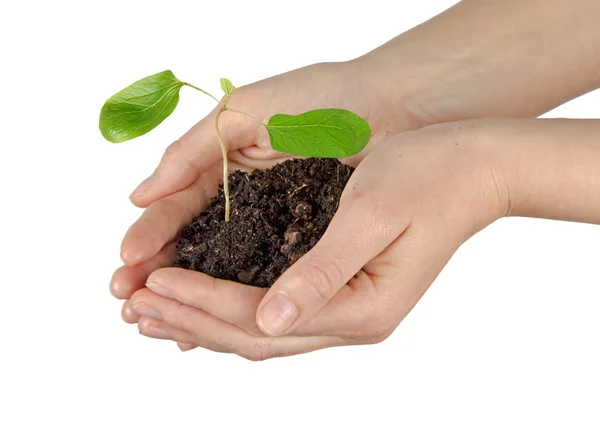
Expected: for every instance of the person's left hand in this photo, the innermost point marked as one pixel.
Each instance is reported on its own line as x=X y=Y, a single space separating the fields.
x=407 y=208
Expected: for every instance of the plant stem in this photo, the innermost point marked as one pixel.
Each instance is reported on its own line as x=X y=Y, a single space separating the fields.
x=201 y=90
x=225 y=164
x=222 y=108
x=241 y=112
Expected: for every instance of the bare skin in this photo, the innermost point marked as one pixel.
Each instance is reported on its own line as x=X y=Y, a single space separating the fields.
x=449 y=182
x=437 y=72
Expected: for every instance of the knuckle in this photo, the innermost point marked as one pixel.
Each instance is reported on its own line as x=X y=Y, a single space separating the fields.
x=176 y=155
x=374 y=207
x=172 y=150
x=322 y=278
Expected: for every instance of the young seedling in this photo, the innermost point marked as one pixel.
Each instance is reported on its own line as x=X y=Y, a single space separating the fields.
x=325 y=133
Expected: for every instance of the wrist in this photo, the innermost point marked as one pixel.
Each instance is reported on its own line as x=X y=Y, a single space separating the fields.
x=487 y=180
x=478 y=189
x=489 y=59
x=459 y=169
x=549 y=166
x=402 y=89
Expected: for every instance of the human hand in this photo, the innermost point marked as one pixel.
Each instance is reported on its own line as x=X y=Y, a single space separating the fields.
x=189 y=172
x=407 y=208
x=434 y=73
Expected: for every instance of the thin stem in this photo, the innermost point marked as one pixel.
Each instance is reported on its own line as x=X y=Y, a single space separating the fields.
x=201 y=90
x=241 y=112
x=223 y=108
x=225 y=165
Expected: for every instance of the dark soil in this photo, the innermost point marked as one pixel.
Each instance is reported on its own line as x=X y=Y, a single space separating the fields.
x=277 y=215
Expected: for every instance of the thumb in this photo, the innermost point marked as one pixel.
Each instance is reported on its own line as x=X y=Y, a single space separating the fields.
x=196 y=151
x=362 y=228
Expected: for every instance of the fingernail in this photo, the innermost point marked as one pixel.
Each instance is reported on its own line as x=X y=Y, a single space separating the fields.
x=143 y=187
x=145 y=310
x=278 y=315
x=158 y=333
x=159 y=289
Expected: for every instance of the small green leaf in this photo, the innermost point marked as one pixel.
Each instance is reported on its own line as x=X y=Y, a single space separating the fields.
x=324 y=133
x=227 y=86
x=137 y=109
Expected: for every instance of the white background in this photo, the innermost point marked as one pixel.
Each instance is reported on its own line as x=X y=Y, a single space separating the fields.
x=503 y=349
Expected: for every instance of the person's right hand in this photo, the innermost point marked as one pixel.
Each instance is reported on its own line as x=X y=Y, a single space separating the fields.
x=406 y=209
x=190 y=170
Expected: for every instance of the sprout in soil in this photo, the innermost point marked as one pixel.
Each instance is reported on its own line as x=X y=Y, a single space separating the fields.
x=325 y=133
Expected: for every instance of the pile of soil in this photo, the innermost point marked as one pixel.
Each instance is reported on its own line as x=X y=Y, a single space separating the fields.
x=277 y=215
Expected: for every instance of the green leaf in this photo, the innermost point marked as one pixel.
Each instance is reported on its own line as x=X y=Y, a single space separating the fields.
x=137 y=109
x=227 y=86
x=324 y=133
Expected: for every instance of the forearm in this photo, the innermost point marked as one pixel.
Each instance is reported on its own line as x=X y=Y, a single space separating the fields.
x=550 y=168
x=492 y=58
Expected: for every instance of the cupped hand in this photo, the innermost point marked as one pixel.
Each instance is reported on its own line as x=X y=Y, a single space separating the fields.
x=191 y=163
x=190 y=170
x=409 y=205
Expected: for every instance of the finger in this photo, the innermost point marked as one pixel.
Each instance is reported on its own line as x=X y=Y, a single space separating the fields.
x=208 y=331
x=228 y=301
x=194 y=153
x=128 y=315
x=157 y=329
x=345 y=313
x=128 y=279
x=376 y=300
x=163 y=219
x=186 y=347
x=192 y=326
x=363 y=226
